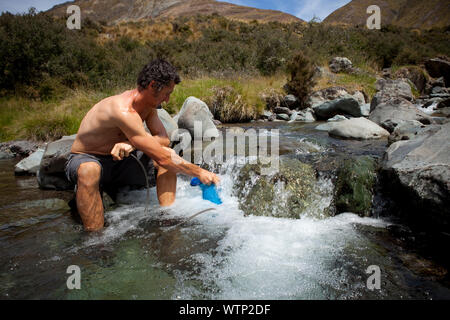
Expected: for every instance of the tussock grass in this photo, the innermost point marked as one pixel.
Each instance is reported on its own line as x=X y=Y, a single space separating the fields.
x=212 y=90
x=23 y=118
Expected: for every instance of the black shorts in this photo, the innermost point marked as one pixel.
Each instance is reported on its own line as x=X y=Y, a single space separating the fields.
x=114 y=174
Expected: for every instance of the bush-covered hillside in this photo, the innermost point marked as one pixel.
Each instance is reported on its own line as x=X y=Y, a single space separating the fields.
x=42 y=62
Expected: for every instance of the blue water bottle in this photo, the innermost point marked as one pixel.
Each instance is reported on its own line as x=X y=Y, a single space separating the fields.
x=209 y=192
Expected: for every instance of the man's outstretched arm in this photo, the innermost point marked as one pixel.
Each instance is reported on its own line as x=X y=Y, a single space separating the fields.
x=131 y=125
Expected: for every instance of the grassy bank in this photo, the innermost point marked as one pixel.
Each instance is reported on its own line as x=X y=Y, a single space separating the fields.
x=24 y=118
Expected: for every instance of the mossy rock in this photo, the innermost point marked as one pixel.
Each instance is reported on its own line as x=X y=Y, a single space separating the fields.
x=355 y=184
x=286 y=194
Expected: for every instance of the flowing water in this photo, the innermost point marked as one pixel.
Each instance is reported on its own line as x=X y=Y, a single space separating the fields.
x=221 y=254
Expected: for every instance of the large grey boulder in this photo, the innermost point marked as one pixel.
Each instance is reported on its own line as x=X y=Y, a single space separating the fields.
x=439 y=68
x=414 y=74
x=169 y=124
x=340 y=64
x=418 y=171
x=29 y=165
x=306 y=115
x=290 y=101
x=390 y=89
x=195 y=110
x=321 y=96
x=345 y=105
x=51 y=173
x=357 y=128
x=390 y=113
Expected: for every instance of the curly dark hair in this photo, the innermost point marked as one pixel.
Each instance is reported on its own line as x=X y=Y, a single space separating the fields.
x=159 y=70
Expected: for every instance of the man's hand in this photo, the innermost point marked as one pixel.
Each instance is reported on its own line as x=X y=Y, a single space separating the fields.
x=121 y=150
x=207 y=177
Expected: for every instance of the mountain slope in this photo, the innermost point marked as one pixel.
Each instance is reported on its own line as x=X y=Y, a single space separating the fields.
x=404 y=13
x=115 y=11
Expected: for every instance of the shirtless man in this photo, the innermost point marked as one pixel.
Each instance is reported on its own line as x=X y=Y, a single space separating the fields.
x=112 y=129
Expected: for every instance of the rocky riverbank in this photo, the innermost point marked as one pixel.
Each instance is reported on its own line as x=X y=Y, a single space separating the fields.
x=414 y=170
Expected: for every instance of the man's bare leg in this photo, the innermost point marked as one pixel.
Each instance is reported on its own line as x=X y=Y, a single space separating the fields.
x=89 y=201
x=166 y=186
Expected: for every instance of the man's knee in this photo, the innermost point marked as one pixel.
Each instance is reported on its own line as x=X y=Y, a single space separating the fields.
x=89 y=174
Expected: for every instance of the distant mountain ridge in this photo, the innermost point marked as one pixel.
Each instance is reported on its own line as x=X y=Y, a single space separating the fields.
x=405 y=13
x=116 y=11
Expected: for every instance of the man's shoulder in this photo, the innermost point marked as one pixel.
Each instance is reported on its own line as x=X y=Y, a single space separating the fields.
x=119 y=106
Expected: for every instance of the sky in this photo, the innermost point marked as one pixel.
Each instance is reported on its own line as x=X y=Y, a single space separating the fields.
x=304 y=9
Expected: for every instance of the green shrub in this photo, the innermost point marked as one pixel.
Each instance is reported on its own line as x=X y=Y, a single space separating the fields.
x=35 y=47
x=301 y=79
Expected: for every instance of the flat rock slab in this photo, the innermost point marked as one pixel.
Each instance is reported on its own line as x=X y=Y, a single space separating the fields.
x=30 y=165
x=357 y=128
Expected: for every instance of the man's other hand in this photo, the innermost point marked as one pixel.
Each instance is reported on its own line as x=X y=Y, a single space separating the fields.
x=121 y=150
x=207 y=177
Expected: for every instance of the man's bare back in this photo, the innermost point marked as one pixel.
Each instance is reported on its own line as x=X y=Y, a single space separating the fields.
x=98 y=132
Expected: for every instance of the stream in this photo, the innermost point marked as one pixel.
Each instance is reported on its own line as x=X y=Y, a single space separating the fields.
x=221 y=254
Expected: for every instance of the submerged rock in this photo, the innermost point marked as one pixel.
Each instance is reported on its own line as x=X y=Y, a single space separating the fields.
x=286 y=194
x=355 y=185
